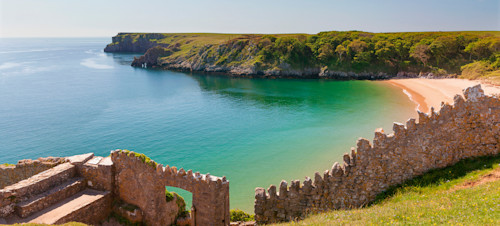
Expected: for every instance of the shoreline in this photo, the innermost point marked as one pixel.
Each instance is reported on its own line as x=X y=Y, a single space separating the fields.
x=428 y=93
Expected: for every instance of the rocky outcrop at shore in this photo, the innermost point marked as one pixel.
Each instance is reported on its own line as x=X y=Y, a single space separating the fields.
x=152 y=59
x=249 y=71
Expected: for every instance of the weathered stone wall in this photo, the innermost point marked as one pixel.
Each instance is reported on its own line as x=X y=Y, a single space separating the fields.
x=142 y=183
x=469 y=128
x=99 y=173
x=26 y=168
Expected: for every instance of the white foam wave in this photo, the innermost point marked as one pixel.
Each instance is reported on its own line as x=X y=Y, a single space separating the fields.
x=8 y=65
x=91 y=63
x=31 y=70
x=30 y=50
x=411 y=99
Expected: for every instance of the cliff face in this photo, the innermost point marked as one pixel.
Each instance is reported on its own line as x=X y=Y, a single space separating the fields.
x=328 y=55
x=234 y=55
x=239 y=59
x=134 y=43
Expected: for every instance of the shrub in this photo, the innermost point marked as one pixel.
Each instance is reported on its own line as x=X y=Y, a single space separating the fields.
x=240 y=215
x=475 y=70
x=168 y=196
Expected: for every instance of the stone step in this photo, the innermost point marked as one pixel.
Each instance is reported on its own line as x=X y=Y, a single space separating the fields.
x=85 y=206
x=46 y=199
x=40 y=182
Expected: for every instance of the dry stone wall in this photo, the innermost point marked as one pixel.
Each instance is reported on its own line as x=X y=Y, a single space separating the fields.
x=469 y=128
x=26 y=168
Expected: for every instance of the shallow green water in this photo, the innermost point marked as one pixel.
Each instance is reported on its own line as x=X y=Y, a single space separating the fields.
x=61 y=97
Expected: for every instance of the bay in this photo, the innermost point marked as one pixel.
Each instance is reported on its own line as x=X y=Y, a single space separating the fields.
x=65 y=96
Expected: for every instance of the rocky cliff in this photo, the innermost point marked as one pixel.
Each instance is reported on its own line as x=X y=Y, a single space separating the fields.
x=134 y=43
x=326 y=55
x=238 y=59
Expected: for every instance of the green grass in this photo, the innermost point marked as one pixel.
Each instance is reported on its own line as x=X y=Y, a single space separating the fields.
x=435 y=198
x=143 y=157
x=67 y=224
x=7 y=164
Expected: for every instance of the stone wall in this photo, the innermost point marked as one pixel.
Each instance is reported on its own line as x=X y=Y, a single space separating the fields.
x=26 y=168
x=99 y=173
x=141 y=182
x=469 y=128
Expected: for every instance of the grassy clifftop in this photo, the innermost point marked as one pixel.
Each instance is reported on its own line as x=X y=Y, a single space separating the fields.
x=336 y=54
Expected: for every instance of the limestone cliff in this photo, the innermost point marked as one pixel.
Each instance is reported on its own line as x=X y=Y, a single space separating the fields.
x=140 y=43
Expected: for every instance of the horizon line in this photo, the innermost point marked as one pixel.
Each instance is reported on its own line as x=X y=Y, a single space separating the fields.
x=244 y=33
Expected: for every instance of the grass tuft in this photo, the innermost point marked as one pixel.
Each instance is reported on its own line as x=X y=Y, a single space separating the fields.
x=142 y=157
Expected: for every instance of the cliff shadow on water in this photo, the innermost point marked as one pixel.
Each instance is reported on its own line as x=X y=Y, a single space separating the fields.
x=331 y=94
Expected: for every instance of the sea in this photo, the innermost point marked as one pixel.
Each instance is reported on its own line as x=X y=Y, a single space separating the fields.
x=65 y=96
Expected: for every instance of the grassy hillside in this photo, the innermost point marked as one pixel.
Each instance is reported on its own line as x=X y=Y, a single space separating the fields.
x=468 y=54
x=467 y=193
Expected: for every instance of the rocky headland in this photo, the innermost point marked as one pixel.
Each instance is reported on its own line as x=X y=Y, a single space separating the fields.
x=327 y=55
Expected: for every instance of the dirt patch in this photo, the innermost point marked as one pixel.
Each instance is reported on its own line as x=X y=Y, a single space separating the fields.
x=493 y=176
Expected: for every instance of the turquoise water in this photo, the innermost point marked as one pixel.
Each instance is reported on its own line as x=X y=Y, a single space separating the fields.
x=61 y=97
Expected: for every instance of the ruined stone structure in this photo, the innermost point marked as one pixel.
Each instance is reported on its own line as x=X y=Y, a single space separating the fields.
x=147 y=190
x=88 y=188
x=25 y=168
x=469 y=128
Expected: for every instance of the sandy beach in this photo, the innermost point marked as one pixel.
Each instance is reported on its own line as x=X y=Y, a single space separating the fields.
x=427 y=93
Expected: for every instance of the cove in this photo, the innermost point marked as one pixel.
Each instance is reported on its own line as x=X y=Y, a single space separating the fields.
x=63 y=97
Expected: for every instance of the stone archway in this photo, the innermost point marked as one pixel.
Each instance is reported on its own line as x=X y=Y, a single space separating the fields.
x=141 y=181
x=210 y=194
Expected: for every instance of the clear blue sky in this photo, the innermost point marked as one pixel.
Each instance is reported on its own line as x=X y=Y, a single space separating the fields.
x=63 y=18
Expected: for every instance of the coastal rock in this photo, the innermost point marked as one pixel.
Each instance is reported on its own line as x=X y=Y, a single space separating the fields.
x=151 y=57
x=134 y=43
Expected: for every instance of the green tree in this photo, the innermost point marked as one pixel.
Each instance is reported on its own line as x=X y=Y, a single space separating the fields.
x=421 y=53
x=341 y=51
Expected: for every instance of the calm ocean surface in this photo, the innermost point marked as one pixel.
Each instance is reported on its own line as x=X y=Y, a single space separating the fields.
x=61 y=97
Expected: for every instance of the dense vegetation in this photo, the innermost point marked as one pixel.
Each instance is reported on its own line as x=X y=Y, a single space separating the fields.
x=466 y=54
x=439 y=52
x=443 y=196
